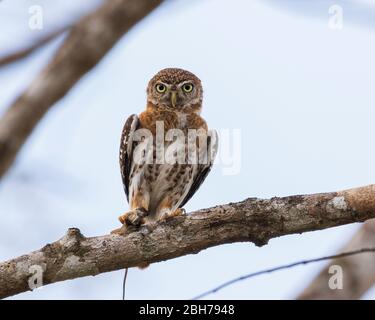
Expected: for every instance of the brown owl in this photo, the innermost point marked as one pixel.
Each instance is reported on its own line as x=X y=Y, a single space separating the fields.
x=166 y=152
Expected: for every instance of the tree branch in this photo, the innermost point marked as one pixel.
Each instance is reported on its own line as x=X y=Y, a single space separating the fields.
x=358 y=271
x=84 y=47
x=27 y=50
x=254 y=220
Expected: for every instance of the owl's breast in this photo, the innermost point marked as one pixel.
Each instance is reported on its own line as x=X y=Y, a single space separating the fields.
x=163 y=181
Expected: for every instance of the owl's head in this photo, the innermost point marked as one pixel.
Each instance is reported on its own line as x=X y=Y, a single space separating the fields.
x=176 y=90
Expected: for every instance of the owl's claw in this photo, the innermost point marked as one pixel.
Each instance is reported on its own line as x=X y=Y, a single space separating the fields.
x=134 y=217
x=179 y=212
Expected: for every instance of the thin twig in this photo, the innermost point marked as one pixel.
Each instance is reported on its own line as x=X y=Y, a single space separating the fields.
x=24 y=52
x=287 y=266
x=124 y=283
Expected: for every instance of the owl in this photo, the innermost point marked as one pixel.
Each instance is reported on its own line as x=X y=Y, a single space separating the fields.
x=167 y=151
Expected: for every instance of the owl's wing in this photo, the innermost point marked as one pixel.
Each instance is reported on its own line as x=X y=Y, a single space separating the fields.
x=126 y=150
x=203 y=169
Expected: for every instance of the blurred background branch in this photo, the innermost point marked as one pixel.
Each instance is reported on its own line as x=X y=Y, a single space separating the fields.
x=337 y=257
x=358 y=270
x=87 y=43
x=27 y=50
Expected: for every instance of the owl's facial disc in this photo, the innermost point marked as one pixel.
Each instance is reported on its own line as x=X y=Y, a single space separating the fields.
x=181 y=96
x=175 y=89
x=170 y=95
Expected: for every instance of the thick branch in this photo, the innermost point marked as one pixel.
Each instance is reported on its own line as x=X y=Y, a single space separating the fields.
x=358 y=270
x=252 y=220
x=84 y=47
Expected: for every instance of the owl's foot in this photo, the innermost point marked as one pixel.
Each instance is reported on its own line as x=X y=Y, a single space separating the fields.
x=134 y=217
x=178 y=212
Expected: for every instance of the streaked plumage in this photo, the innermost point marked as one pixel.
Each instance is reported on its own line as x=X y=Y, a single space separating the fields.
x=159 y=190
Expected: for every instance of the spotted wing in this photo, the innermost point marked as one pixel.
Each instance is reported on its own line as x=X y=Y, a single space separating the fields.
x=126 y=150
x=203 y=169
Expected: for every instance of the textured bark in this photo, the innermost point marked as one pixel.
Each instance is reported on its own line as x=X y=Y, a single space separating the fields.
x=88 y=41
x=358 y=270
x=253 y=220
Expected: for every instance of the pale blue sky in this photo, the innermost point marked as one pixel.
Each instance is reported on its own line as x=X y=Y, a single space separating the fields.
x=301 y=93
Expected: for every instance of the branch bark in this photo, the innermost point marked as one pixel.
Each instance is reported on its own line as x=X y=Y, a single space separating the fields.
x=253 y=220
x=358 y=271
x=84 y=47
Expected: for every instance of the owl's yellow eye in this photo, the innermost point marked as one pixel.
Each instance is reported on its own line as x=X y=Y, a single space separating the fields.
x=161 y=88
x=187 y=87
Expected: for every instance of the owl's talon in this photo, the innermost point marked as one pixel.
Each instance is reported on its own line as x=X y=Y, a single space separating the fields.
x=178 y=212
x=181 y=212
x=134 y=217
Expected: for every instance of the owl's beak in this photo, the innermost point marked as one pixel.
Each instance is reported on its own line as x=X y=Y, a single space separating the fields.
x=174 y=98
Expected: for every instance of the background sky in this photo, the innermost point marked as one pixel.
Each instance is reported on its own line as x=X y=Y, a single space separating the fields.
x=301 y=93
